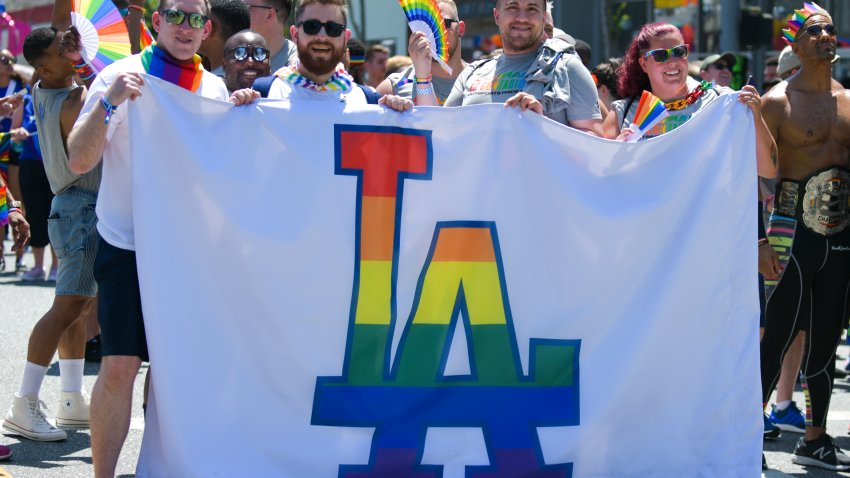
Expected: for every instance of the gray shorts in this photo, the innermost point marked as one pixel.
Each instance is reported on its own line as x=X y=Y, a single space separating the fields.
x=73 y=235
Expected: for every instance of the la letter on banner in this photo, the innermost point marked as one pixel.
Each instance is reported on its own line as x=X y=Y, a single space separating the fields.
x=344 y=292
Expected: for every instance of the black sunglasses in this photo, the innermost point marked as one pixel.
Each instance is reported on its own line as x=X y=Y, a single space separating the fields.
x=7 y=61
x=816 y=30
x=661 y=55
x=258 y=53
x=313 y=27
x=177 y=17
x=449 y=21
x=721 y=66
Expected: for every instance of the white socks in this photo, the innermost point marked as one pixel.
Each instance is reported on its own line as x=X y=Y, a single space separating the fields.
x=71 y=374
x=33 y=377
x=783 y=405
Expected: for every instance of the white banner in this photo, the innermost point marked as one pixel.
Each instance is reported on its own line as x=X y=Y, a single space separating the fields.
x=445 y=292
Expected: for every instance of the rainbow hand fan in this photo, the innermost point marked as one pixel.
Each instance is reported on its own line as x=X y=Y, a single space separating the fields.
x=650 y=112
x=424 y=16
x=102 y=32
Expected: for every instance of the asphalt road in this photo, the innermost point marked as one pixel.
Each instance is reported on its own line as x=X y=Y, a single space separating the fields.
x=22 y=305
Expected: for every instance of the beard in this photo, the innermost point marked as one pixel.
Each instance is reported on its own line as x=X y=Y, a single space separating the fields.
x=320 y=66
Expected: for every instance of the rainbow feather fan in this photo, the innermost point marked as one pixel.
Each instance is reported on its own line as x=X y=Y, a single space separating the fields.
x=650 y=112
x=798 y=18
x=424 y=16
x=102 y=32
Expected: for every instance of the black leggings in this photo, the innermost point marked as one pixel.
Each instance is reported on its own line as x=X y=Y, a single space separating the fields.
x=810 y=296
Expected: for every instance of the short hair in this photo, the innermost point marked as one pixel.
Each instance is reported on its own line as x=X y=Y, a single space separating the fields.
x=283 y=9
x=606 y=74
x=37 y=42
x=451 y=4
x=302 y=4
x=376 y=48
x=232 y=16
x=162 y=7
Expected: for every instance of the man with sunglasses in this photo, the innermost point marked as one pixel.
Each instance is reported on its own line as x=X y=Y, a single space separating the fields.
x=562 y=88
x=718 y=68
x=246 y=58
x=809 y=116
x=268 y=18
x=403 y=83
x=102 y=131
x=226 y=17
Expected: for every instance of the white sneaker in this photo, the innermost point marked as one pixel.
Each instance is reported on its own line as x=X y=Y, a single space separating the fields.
x=26 y=417
x=73 y=410
x=33 y=275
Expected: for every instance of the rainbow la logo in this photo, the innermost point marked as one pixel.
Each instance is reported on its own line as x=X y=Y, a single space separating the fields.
x=462 y=277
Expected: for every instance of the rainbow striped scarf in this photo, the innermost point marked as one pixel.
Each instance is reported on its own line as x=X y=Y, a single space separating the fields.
x=340 y=81
x=159 y=64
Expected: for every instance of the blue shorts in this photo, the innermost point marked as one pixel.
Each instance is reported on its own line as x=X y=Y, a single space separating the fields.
x=119 y=303
x=73 y=235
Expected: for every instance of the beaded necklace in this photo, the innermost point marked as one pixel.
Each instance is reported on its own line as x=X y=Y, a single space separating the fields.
x=339 y=81
x=692 y=98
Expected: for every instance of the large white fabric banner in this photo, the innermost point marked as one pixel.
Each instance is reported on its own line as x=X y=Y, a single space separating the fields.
x=479 y=292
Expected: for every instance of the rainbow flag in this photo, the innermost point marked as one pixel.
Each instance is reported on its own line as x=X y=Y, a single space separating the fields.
x=650 y=112
x=145 y=36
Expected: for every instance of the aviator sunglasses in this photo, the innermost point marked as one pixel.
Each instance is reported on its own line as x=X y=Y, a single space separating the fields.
x=662 y=55
x=313 y=27
x=816 y=30
x=258 y=53
x=177 y=17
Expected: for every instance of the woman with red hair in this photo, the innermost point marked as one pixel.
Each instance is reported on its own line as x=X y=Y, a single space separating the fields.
x=657 y=61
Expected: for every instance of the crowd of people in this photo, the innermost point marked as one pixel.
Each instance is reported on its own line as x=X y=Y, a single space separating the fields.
x=68 y=131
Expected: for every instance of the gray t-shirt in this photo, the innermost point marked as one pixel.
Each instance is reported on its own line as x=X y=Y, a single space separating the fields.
x=47 y=106
x=403 y=84
x=287 y=55
x=496 y=81
x=676 y=118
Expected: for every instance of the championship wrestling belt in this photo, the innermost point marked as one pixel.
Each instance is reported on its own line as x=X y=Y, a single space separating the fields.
x=826 y=202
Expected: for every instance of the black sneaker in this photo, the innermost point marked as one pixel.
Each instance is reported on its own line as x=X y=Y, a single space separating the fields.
x=93 y=350
x=821 y=453
x=763 y=462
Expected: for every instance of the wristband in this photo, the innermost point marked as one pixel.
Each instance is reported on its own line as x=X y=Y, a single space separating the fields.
x=84 y=70
x=136 y=8
x=108 y=107
x=424 y=91
x=17 y=210
x=763 y=241
x=423 y=81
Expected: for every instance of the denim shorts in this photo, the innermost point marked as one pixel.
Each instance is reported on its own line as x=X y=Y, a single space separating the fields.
x=73 y=235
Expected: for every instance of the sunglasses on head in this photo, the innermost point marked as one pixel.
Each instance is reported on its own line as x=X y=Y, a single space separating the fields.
x=816 y=30
x=662 y=55
x=7 y=61
x=177 y=17
x=257 y=53
x=313 y=27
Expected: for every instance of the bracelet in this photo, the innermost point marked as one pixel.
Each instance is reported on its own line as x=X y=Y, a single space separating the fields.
x=84 y=70
x=17 y=210
x=108 y=107
x=424 y=91
x=136 y=8
x=423 y=81
x=763 y=241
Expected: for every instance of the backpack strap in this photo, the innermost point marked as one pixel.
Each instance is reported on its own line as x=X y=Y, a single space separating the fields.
x=372 y=96
x=263 y=85
x=626 y=111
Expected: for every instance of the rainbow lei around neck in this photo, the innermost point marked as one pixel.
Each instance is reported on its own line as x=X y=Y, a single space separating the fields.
x=159 y=64
x=798 y=18
x=340 y=81
x=692 y=97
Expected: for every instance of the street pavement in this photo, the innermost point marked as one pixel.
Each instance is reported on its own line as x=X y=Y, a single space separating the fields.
x=22 y=305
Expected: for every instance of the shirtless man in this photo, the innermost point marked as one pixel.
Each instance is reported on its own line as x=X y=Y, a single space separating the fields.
x=809 y=117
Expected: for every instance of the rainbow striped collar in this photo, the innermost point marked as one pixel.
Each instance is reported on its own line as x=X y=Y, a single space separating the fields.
x=159 y=64
x=340 y=81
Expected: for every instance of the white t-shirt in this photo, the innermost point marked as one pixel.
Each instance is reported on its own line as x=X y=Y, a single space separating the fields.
x=115 y=199
x=284 y=90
